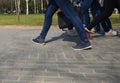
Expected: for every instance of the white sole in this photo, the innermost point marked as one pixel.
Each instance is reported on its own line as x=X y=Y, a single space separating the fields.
x=86 y=48
x=39 y=43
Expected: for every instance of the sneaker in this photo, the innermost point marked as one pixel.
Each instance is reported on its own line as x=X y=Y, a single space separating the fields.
x=71 y=32
x=82 y=46
x=97 y=31
x=39 y=41
x=93 y=31
x=111 y=33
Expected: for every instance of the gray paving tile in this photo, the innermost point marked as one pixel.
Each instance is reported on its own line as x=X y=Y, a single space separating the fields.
x=22 y=61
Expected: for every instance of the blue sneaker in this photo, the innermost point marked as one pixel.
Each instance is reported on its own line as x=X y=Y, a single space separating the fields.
x=39 y=41
x=82 y=46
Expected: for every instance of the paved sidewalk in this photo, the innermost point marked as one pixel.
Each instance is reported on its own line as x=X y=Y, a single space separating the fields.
x=22 y=61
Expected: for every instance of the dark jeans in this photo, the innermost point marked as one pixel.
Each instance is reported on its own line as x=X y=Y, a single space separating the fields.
x=67 y=9
x=86 y=18
x=84 y=10
x=85 y=5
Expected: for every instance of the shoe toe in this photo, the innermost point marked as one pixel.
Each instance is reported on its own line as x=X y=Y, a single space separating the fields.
x=82 y=46
x=35 y=40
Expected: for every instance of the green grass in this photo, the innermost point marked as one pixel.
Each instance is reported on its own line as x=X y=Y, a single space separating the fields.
x=115 y=20
x=37 y=20
x=31 y=20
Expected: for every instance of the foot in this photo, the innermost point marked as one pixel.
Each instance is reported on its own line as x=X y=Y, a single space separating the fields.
x=97 y=31
x=82 y=46
x=111 y=33
x=39 y=41
x=93 y=30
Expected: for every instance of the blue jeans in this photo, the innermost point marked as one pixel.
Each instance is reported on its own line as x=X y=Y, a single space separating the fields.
x=85 y=5
x=67 y=9
x=84 y=10
x=86 y=18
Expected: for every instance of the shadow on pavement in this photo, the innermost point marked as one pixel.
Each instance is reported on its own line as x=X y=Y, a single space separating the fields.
x=64 y=37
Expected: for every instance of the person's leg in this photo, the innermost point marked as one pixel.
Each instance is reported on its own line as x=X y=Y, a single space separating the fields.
x=51 y=8
x=108 y=9
x=106 y=25
x=103 y=26
x=108 y=29
x=85 y=5
x=95 y=13
x=86 y=18
x=68 y=10
x=84 y=12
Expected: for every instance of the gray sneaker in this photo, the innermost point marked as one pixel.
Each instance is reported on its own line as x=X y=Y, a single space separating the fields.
x=82 y=46
x=39 y=41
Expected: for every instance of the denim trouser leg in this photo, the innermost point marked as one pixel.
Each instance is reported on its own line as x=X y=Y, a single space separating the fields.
x=86 y=18
x=67 y=9
x=51 y=9
x=86 y=5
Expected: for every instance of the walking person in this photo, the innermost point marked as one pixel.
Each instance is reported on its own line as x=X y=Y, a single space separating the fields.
x=96 y=9
x=108 y=8
x=66 y=7
x=85 y=5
